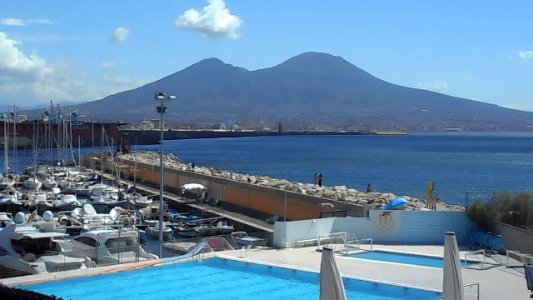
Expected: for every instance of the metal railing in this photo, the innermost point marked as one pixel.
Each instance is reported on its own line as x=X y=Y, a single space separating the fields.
x=348 y=240
x=523 y=257
x=483 y=253
x=477 y=288
x=355 y=242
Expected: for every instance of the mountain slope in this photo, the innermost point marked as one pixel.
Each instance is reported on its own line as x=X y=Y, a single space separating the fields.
x=310 y=90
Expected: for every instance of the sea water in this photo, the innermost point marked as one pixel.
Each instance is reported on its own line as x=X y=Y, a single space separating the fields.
x=463 y=166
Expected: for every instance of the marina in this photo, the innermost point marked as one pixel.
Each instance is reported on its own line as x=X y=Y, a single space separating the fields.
x=166 y=151
x=101 y=213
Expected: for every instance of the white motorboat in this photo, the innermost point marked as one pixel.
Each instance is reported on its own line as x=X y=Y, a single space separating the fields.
x=39 y=201
x=140 y=200
x=90 y=219
x=32 y=183
x=6 y=183
x=48 y=223
x=107 y=246
x=151 y=211
x=24 y=250
x=185 y=230
x=67 y=202
x=153 y=231
x=5 y=219
x=49 y=183
x=9 y=202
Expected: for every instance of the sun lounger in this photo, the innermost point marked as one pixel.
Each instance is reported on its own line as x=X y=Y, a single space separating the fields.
x=218 y=244
x=529 y=278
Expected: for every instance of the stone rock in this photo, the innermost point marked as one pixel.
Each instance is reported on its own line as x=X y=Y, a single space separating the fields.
x=339 y=193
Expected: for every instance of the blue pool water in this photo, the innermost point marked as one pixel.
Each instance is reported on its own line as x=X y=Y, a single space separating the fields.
x=216 y=279
x=403 y=258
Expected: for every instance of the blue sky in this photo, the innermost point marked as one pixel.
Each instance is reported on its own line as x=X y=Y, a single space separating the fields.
x=72 y=51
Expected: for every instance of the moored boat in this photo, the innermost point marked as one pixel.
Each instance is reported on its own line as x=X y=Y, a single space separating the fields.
x=242 y=239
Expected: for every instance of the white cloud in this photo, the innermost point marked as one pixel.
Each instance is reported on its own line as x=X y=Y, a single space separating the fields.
x=106 y=65
x=435 y=86
x=119 y=83
x=17 y=66
x=528 y=54
x=30 y=80
x=23 y=22
x=120 y=35
x=215 y=20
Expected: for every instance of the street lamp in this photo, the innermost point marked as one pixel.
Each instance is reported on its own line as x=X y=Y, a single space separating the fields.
x=161 y=109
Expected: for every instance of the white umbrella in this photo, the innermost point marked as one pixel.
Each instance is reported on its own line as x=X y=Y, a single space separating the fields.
x=193 y=186
x=331 y=286
x=452 y=284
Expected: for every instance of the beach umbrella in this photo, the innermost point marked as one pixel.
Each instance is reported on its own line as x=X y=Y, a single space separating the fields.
x=193 y=186
x=452 y=283
x=331 y=286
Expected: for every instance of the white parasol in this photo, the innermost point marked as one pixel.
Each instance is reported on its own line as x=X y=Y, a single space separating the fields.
x=331 y=286
x=452 y=285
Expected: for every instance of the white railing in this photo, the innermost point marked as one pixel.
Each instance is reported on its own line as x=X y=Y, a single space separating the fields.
x=334 y=239
x=474 y=284
x=524 y=257
x=355 y=243
x=348 y=240
x=483 y=253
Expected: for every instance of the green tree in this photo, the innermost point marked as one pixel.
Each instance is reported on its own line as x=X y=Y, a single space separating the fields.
x=516 y=210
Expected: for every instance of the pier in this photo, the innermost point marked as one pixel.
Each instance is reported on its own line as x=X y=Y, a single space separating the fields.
x=175 y=200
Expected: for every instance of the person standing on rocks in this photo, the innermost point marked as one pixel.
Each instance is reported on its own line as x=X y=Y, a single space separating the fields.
x=319 y=182
x=369 y=188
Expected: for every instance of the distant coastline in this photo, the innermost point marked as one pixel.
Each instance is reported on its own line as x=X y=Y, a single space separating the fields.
x=152 y=136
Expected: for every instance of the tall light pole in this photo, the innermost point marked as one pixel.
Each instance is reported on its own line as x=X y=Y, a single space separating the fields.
x=161 y=109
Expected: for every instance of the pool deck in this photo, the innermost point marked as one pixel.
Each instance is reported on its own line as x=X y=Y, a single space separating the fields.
x=496 y=281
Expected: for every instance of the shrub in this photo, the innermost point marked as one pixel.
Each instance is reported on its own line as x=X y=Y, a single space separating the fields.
x=516 y=210
x=480 y=215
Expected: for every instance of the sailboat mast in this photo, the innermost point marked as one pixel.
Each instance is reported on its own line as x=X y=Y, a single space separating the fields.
x=6 y=147
x=15 y=135
x=103 y=153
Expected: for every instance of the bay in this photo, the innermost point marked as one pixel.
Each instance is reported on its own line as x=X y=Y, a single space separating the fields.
x=463 y=166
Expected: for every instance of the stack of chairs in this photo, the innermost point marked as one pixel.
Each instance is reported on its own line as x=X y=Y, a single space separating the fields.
x=528 y=268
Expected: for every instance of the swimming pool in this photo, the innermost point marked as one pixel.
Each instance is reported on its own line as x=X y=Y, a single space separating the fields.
x=216 y=278
x=404 y=258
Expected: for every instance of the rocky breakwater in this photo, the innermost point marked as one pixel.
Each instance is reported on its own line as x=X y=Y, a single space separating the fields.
x=373 y=200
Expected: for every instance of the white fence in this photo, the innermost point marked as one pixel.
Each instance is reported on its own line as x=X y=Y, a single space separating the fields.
x=390 y=227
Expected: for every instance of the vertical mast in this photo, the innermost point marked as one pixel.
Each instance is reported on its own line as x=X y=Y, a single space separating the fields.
x=102 y=149
x=6 y=160
x=15 y=135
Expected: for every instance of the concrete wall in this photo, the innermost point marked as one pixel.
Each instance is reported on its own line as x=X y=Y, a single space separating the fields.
x=390 y=227
x=515 y=238
x=263 y=199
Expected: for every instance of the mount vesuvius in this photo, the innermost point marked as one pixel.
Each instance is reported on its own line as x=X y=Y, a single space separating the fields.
x=311 y=90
